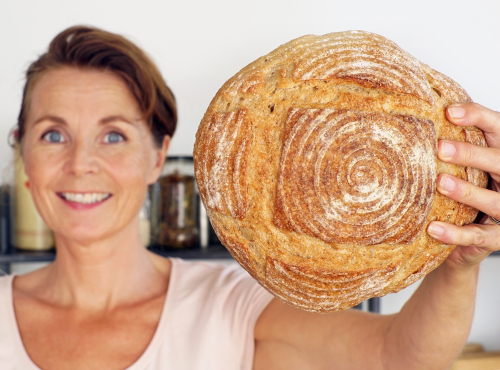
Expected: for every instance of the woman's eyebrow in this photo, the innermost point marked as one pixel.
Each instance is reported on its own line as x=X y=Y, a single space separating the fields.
x=54 y=119
x=110 y=119
x=103 y=121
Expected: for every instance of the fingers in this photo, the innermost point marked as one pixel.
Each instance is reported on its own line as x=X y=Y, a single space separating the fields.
x=472 y=114
x=465 y=154
x=462 y=191
x=486 y=237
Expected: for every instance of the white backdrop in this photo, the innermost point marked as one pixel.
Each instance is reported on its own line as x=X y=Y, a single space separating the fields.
x=199 y=44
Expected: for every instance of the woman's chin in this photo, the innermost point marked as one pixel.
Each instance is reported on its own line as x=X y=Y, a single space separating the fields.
x=99 y=229
x=84 y=235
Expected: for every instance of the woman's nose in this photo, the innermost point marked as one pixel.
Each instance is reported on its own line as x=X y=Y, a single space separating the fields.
x=81 y=159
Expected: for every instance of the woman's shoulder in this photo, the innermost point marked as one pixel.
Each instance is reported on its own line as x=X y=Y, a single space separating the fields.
x=6 y=301
x=223 y=282
x=9 y=349
x=6 y=304
x=209 y=272
x=5 y=277
x=5 y=285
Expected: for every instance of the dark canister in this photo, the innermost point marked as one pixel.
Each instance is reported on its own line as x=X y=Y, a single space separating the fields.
x=5 y=218
x=176 y=200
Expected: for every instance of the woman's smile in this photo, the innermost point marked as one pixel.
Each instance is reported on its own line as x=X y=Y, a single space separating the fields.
x=83 y=200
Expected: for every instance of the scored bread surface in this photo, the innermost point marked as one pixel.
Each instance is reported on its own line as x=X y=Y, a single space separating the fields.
x=317 y=165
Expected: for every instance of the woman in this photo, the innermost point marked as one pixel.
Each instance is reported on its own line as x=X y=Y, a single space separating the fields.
x=94 y=129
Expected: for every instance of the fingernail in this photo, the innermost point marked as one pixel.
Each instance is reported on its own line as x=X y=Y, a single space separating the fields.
x=456 y=111
x=447 y=183
x=435 y=230
x=448 y=150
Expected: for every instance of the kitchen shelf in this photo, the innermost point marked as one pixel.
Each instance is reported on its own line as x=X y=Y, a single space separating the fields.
x=212 y=252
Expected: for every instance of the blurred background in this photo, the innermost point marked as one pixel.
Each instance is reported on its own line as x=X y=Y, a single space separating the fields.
x=198 y=45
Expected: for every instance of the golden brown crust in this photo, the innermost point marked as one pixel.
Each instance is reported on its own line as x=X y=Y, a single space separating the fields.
x=317 y=165
x=323 y=290
x=222 y=176
x=368 y=59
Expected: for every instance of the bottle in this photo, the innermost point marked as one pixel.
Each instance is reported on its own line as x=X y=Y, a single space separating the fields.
x=31 y=232
x=154 y=193
x=179 y=205
x=145 y=222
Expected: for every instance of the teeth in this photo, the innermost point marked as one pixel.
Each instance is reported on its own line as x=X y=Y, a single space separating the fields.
x=86 y=198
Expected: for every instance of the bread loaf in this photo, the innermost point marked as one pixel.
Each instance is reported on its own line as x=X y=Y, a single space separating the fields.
x=317 y=166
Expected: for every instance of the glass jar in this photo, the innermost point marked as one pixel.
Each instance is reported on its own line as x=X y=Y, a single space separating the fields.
x=177 y=204
x=31 y=231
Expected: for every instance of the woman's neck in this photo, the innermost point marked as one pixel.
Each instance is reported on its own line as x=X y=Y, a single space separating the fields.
x=102 y=275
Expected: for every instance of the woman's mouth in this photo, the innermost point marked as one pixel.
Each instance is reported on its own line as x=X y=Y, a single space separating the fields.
x=84 y=198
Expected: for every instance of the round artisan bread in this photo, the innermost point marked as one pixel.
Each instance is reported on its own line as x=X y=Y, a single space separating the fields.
x=317 y=166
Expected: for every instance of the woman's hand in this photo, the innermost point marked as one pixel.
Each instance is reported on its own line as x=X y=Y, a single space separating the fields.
x=476 y=241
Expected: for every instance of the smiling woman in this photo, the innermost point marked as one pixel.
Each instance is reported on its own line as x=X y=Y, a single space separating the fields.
x=94 y=128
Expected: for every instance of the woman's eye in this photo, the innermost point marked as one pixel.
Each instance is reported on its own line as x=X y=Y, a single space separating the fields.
x=53 y=137
x=113 y=137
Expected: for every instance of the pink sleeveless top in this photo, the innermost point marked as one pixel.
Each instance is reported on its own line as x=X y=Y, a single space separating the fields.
x=207 y=321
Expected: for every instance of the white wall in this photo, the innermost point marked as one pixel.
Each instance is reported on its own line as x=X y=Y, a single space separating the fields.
x=199 y=44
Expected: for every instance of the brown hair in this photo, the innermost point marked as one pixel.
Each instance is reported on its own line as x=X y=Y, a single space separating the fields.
x=88 y=47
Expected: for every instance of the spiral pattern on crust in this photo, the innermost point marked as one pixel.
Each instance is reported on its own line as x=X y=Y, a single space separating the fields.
x=352 y=177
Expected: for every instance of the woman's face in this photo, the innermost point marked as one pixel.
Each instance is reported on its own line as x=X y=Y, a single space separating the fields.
x=88 y=155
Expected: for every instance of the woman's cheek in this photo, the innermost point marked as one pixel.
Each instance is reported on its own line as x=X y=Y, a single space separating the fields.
x=129 y=161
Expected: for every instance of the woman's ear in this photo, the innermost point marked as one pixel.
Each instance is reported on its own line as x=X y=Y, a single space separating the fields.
x=160 y=155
